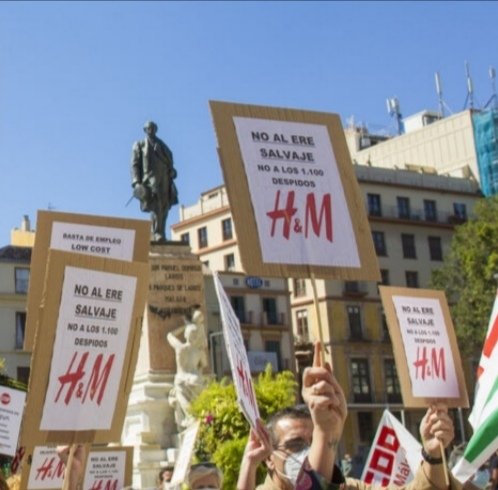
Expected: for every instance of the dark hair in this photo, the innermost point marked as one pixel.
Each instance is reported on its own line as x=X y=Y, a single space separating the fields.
x=162 y=470
x=298 y=412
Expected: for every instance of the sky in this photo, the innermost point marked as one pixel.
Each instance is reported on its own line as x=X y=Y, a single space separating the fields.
x=79 y=79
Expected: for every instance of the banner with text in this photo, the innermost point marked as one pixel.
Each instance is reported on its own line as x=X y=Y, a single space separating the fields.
x=83 y=365
x=11 y=410
x=293 y=191
x=394 y=455
x=239 y=363
x=425 y=347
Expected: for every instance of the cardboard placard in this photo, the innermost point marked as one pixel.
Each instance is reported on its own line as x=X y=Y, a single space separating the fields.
x=82 y=366
x=11 y=410
x=101 y=236
x=425 y=347
x=237 y=355
x=106 y=468
x=293 y=193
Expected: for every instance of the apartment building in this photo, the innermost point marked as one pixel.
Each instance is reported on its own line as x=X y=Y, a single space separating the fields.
x=15 y=261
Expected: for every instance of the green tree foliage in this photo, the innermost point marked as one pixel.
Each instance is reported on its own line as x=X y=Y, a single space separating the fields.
x=224 y=431
x=467 y=275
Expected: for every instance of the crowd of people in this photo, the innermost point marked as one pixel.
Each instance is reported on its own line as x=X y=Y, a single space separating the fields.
x=298 y=446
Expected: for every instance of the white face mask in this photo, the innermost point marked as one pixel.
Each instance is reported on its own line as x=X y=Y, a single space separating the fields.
x=294 y=463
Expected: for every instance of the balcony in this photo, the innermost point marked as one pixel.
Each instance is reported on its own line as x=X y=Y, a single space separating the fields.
x=354 y=289
x=418 y=216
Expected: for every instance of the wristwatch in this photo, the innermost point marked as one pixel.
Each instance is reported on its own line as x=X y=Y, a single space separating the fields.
x=431 y=459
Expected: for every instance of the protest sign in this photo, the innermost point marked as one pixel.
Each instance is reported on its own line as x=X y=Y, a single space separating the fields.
x=425 y=347
x=106 y=468
x=83 y=365
x=182 y=462
x=293 y=191
x=101 y=236
x=237 y=355
x=11 y=410
x=394 y=455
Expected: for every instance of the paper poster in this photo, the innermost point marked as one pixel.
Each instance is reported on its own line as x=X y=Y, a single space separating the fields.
x=234 y=342
x=116 y=243
x=394 y=456
x=11 y=410
x=99 y=236
x=300 y=207
x=424 y=345
x=91 y=337
x=427 y=347
x=105 y=470
x=296 y=203
x=47 y=469
x=182 y=463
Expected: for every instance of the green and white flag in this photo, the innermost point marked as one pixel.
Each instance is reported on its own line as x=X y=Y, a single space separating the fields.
x=484 y=416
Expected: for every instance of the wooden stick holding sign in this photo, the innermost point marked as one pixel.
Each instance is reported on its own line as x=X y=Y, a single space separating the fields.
x=318 y=319
x=237 y=355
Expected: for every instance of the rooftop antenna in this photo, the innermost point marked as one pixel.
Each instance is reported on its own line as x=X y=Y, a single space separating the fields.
x=394 y=111
x=439 y=91
x=494 y=98
x=470 y=89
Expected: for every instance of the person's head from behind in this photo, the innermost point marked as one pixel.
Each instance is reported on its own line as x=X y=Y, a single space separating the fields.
x=165 y=474
x=205 y=476
x=291 y=431
x=150 y=127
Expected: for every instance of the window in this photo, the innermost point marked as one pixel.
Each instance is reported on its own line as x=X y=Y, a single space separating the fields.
x=360 y=380
x=270 y=309
x=302 y=324
x=299 y=287
x=185 y=238
x=374 y=205
x=274 y=346
x=21 y=279
x=379 y=243
x=435 y=249
x=385 y=329
x=460 y=210
x=393 y=389
x=403 y=207
x=430 y=210
x=384 y=274
x=365 y=427
x=202 y=236
x=23 y=374
x=239 y=307
x=20 y=324
x=226 y=229
x=408 y=244
x=411 y=279
x=351 y=287
x=229 y=262
x=354 y=318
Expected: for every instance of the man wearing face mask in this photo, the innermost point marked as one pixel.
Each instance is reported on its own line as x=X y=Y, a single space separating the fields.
x=299 y=447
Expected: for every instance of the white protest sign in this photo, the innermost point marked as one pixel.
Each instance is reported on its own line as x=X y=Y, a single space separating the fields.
x=105 y=470
x=116 y=243
x=47 y=469
x=300 y=206
x=11 y=410
x=91 y=336
x=427 y=347
x=182 y=462
x=394 y=455
x=234 y=342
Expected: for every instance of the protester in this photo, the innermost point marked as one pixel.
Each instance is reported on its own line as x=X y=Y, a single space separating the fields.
x=481 y=476
x=204 y=476
x=299 y=449
x=347 y=464
x=165 y=475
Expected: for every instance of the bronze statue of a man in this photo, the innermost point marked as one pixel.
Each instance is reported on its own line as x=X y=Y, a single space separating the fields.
x=153 y=174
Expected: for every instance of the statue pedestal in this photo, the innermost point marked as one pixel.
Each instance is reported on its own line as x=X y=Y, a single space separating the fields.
x=175 y=288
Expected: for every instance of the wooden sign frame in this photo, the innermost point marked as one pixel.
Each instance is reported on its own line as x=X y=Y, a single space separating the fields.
x=58 y=262
x=243 y=204
x=44 y=226
x=401 y=357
